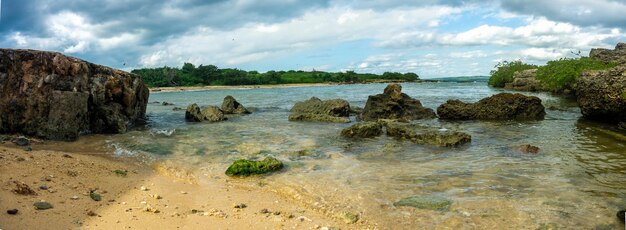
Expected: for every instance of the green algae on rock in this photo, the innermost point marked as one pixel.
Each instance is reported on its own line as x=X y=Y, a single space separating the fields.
x=363 y=130
x=42 y=205
x=435 y=203
x=244 y=167
x=317 y=117
x=426 y=135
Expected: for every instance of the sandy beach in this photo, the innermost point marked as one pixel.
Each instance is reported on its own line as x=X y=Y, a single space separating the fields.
x=145 y=196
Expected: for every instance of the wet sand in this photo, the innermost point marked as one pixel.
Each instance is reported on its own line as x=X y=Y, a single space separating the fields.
x=150 y=196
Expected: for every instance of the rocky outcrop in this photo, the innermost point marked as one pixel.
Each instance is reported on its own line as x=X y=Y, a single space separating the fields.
x=393 y=104
x=232 y=106
x=618 y=55
x=314 y=109
x=53 y=96
x=363 y=130
x=525 y=80
x=425 y=135
x=503 y=106
x=210 y=113
x=602 y=95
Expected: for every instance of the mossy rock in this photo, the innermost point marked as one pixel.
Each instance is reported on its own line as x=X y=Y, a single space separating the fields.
x=244 y=167
x=363 y=130
x=317 y=118
x=435 y=203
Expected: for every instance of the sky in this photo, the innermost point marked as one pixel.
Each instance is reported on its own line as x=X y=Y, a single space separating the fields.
x=433 y=38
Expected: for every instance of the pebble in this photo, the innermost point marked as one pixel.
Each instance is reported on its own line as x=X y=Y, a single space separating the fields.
x=183 y=192
x=42 y=205
x=303 y=218
x=12 y=211
x=43 y=187
x=74 y=198
x=156 y=196
x=143 y=188
x=264 y=211
x=242 y=205
x=91 y=213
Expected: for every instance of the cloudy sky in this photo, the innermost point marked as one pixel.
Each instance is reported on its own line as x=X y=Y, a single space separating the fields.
x=434 y=38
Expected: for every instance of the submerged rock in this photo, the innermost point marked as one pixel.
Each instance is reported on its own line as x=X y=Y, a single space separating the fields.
x=393 y=104
x=232 y=106
x=602 y=95
x=435 y=203
x=314 y=109
x=53 y=96
x=502 y=106
x=209 y=113
x=528 y=149
x=363 y=130
x=425 y=135
x=247 y=167
x=42 y=205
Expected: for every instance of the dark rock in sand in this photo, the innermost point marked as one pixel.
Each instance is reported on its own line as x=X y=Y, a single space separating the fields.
x=602 y=95
x=620 y=215
x=363 y=130
x=393 y=104
x=21 y=141
x=23 y=189
x=435 y=203
x=95 y=196
x=12 y=211
x=42 y=205
x=232 y=106
x=314 y=109
x=50 y=95
x=426 y=135
x=617 y=55
x=43 y=187
x=503 y=106
x=247 y=167
x=209 y=113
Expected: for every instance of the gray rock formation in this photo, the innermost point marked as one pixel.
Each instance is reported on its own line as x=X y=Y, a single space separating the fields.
x=53 y=96
x=601 y=95
x=503 y=106
x=426 y=135
x=314 y=109
x=210 y=113
x=232 y=106
x=525 y=80
x=363 y=130
x=393 y=104
x=618 y=55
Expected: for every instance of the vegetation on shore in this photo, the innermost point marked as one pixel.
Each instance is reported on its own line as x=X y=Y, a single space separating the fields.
x=190 y=75
x=556 y=75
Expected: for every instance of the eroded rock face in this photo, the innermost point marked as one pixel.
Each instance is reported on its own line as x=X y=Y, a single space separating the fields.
x=426 y=135
x=602 y=95
x=210 y=113
x=53 y=96
x=618 y=55
x=393 y=104
x=363 y=130
x=503 y=106
x=525 y=80
x=232 y=106
x=314 y=109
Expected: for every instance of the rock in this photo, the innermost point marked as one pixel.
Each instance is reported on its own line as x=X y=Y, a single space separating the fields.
x=502 y=106
x=393 y=104
x=22 y=188
x=247 y=167
x=363 y=130
x=42 y=205
x=177 y=109
x=21 y=141
x=601 y=95
x=333 y=107
x=425 y=135
x=43 y=187
x=165 y=103
x=618 y=55
x=232 y=106
x=95 y=196
x=242 y=205
x=143 y=188
x=435 y=203
x=525 y=80
x=318 y=118
x=620 y=215
x=74 y=198
x=53 y=96
x=348 y=217
x=12 y=211
x=210 y=113
x=151 y=209
x=91 y=213
x=528 y=149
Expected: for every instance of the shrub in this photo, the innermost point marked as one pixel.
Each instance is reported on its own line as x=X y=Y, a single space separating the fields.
x=559 y=75
x=504 y=72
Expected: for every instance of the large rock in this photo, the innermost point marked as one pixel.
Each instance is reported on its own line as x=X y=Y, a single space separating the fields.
x=602 y=94
x=525 y=80
x=618 y=55
x=426 y=135
x=244 y=167
x=50 y=95
x=210 y=113
x=363 y=130
x=314 y=109
x=393 y=104
x=503 y=106
x=232 y=106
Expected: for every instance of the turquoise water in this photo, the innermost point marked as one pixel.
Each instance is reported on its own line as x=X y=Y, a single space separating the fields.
x=576 y=181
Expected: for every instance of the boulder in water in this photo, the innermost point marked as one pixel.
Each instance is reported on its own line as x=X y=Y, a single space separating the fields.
x=426 y=135
x=363 y=130
x=602 y=95
x=393 y=104
x=53 y=96
x=209 y=113
x=502 y=106
x=314 y=109
x=434 y=203
x=232 y=106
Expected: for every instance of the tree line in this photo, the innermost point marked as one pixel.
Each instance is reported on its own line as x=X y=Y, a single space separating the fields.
x=190 y=75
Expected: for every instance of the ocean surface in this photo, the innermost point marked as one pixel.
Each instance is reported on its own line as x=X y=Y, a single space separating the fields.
x=577 y=180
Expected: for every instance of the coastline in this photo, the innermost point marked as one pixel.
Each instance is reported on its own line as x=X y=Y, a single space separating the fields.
x=184 y=199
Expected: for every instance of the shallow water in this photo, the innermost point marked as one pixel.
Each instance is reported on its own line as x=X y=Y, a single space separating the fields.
x=578 y=180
